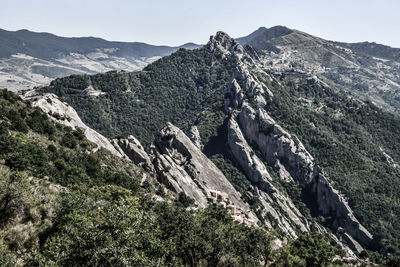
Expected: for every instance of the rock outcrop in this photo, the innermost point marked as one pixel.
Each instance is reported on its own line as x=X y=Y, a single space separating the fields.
x=178 y=162
x=277 y=144
x=251 y=164
x=67 y=115
x=63 y=113
x=184 y=168
x=194 y=135
x=241 y=77
x=255 y=169
x=132 y=148
x=252 y=124
x=224 y=43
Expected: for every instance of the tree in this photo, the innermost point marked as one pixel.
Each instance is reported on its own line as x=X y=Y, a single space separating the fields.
x=310 y=249
x=103 y=226
x=185 y=200
x=68 y=140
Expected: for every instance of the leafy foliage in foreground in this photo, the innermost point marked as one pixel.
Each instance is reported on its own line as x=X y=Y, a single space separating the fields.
x=308 y=250
x=106 y=226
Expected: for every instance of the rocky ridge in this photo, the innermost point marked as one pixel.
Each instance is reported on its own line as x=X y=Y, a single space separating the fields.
x=174 y=159
x=184 y=168
x=251 y=123
x=67 y=115
x=180 y=164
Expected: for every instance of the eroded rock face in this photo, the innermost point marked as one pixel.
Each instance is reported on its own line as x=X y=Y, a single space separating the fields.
x=57 y=109
x=132 y=148
x=224 y=43
x=241 y=83
x=256 y=171
x=236 y=96
x=277 y=144
x=251 y=123
x=194 y=135
x=331 y=202
x=251 y=164
x=184 y=168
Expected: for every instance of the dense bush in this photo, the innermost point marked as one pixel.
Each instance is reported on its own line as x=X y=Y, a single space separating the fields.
x=40 y=123
x=6 y=258
x=12 y=190
x=106 y=226
x=68 y=140
x=103 y=227
x=310 y=249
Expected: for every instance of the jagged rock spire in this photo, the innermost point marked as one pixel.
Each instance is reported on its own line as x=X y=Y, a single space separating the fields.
x=224 y=43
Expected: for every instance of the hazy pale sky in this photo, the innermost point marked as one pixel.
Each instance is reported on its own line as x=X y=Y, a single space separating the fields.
x=174 y=22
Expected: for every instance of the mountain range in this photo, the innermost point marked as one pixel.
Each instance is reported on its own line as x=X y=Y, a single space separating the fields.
x=367 y=70
x=29 y=59
x=288 y=132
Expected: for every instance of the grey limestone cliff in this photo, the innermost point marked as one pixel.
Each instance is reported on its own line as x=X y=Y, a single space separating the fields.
x=132 y=148
x=184 y=168
x=250 y=123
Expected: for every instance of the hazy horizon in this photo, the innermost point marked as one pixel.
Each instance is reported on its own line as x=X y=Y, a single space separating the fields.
x=177 y=22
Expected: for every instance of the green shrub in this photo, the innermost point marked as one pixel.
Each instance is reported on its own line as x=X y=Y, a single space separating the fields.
x=6 y=258
x=13 y=188
x=68 y=140
x=309 y=249
x=185 y=200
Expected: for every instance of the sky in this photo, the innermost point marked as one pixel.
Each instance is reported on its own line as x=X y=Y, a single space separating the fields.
x=175 y=22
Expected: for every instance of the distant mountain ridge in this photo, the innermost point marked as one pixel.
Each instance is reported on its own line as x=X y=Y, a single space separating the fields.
x=261 y=37
x=366 y=70
x=49 y=46
x=28 y=59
